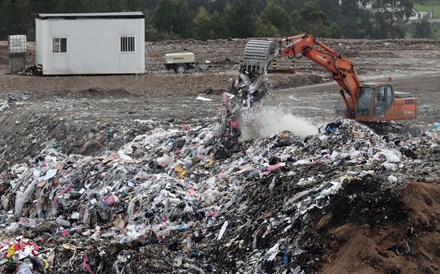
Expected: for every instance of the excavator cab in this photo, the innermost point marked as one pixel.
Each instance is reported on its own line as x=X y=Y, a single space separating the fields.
x=379 y=102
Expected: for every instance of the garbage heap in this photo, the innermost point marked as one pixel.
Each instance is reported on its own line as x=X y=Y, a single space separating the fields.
x=164 y=203
x=29 y=127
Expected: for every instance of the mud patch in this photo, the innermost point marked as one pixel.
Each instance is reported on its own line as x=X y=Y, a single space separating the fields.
x=405 y=244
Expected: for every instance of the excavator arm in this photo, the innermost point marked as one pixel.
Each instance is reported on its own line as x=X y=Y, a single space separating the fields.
x=307 y=45
x=367 y=103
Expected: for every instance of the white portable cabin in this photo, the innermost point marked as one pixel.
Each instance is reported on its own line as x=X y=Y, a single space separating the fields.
x=90 y=43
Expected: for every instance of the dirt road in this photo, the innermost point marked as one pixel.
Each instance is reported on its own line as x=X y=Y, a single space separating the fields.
x=318 y=102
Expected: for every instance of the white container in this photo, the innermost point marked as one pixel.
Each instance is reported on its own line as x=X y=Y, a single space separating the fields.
x=90 y=43
x=17 y=44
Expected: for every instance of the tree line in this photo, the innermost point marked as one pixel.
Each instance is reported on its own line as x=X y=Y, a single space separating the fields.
x=213 y=19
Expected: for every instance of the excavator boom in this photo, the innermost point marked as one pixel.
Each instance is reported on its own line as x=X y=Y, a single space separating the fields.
x=306 y=45
x=259 y=54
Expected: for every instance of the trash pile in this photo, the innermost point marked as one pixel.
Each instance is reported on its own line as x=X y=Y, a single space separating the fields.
x=35 y=70
x=191 y=198
x=171 y=201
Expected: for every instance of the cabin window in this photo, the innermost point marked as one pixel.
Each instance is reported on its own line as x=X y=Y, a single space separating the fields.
x=380 y=102
x=127 y=44
x=389 y=96
x=59 y=45
x=365 y=101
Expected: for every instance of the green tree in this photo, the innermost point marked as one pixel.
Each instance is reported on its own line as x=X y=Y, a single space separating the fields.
x=314 y=21
x=196 y=4
x=265 y=28
x=277 y=17
x=260 y=5
x=202 y=25
x=115 y=5
x=388 y=18
x=150 y=4
x=13 y=18
x=351 y=17
x=423 y=29
x=292 y=5
x=184 y=20
x=209 y=26
x=65 y=6
x=164 y=15
x=295 y=23
x=218 y=5
x=173 y=17
x=133 y=5
x=219 y=28
x=42 y=6
x=240 y=18
x=151 y=32
x=99 y=5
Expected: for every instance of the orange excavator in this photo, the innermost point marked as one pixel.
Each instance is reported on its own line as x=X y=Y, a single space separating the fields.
x=364 y=102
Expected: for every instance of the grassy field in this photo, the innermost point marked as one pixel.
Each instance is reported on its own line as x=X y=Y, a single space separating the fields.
x=435 y=6
x=410 y=29
x=436 y=30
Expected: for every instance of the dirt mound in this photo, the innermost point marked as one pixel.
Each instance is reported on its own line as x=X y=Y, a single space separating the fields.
x=405 y=243
x=422 y=201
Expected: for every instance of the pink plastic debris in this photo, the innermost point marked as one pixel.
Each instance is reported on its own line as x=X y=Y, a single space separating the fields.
x=234 y=124
x=85 y=264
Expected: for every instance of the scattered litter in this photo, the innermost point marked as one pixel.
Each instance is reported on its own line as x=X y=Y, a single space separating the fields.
x=200 y=98
x=195 y=195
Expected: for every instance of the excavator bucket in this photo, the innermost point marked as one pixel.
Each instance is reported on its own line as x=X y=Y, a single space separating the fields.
x=257 y=55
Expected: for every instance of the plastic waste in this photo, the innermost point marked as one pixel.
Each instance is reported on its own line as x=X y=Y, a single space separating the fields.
x=164 y=160
x=22 y=197
x=24 y=269
x=157 y=203
x=62 y=222
x=85 y=264
x=222 y=230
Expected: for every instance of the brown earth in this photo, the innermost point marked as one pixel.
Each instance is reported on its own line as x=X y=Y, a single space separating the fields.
x=408 y=246
x=224 y=57
x=373 y=59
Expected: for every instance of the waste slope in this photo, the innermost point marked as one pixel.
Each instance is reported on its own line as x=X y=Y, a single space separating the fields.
x=344 y=213
x=164 y=202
